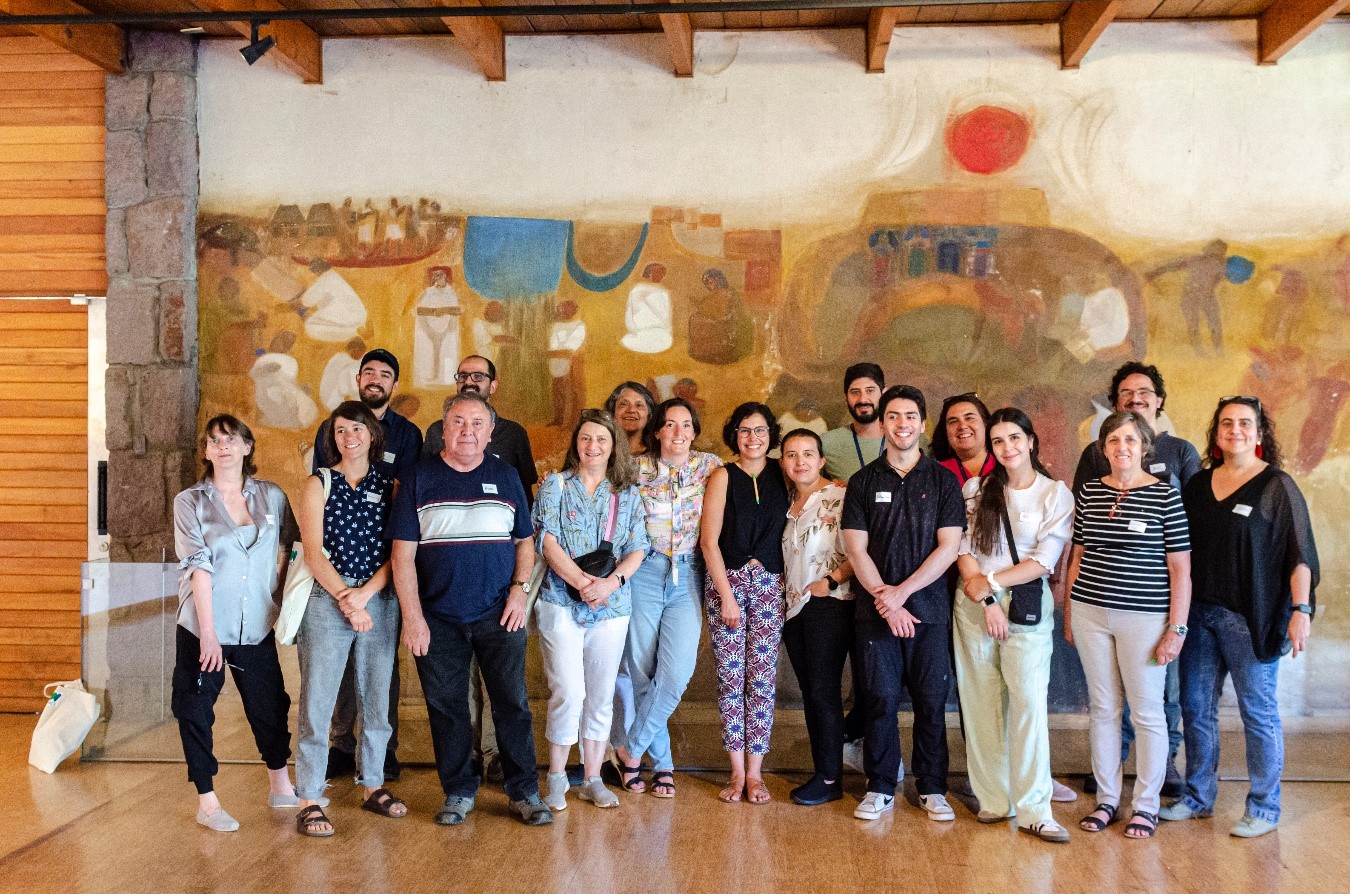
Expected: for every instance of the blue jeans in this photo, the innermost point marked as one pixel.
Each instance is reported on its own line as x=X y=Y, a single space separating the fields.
x=1218 y=644
x=325 y=641
x=663 y=637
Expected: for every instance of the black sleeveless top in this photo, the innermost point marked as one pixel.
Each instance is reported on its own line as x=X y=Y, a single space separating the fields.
x=750 y=530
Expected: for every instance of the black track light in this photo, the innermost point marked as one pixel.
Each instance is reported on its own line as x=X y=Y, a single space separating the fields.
x=257 y=46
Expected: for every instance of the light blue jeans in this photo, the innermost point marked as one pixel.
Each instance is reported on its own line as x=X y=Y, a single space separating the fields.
x=663 y=637
x=1218 y=644
x=326 y=640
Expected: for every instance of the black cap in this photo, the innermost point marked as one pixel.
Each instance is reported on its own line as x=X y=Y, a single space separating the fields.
x=382 y=356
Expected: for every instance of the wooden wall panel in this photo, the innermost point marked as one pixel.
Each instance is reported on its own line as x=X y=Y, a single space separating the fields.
x=43 y=495
x=51 y=172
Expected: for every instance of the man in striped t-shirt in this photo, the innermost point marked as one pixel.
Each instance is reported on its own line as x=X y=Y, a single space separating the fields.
x=462 y=556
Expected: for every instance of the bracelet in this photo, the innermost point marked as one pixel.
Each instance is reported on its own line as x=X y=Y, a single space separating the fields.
x=993 y=584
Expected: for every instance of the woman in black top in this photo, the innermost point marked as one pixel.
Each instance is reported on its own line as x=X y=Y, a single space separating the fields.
x=1254 y=578
x=744 y=513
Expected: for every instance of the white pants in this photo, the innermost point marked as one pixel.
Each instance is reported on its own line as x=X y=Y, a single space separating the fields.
x=1116 y=648
x=581 y=664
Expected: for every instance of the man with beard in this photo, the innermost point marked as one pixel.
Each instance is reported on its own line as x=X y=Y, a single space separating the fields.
x=376 y=381
x=850 y=447
x=1139 y=388
x=510 y=443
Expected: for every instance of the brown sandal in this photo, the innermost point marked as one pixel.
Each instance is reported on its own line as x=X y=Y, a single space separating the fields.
x=311 y=820
x=734 y=788
x=383 y=802
x=756 y=791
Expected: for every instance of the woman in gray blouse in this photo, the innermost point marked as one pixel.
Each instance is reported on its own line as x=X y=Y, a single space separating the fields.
x=232 y=534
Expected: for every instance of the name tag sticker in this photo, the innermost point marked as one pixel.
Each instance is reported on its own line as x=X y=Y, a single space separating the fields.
x=1157 y=467
x=489 y=488
x=1242 y=509
x=271 y=519
x=389 y=456
x=1025 y=516
x=883 y=496
x=372 y=496
x=1138 y=527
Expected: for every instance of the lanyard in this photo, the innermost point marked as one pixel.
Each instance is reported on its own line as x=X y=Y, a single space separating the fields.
x=881 y=450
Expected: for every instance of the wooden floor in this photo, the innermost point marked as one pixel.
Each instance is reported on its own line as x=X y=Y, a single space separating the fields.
x=118 y=827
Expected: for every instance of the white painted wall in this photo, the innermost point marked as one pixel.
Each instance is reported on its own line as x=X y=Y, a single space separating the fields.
x=1169 y=132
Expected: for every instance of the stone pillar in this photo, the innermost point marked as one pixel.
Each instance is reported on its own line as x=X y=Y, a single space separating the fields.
x=151 y=189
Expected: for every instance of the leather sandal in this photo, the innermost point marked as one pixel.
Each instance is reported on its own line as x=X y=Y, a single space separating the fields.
x=756 y=791
x=311 y=821
x=1141 y=830
x=663 y=784
x=1093 y=823
x=629 y=777
x=733 y=790
x=383 y=802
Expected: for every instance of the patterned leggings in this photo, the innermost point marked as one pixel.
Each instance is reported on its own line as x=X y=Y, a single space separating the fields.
x=747 y=657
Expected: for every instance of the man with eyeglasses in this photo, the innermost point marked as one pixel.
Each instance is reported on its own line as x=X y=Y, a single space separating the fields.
x=511 y=444
x=376 y=382
x=1139 y=388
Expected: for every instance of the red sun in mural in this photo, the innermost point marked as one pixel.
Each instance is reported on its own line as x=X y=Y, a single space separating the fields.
x=988 y=139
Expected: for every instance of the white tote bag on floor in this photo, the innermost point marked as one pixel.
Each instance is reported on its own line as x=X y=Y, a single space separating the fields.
x=66 y=719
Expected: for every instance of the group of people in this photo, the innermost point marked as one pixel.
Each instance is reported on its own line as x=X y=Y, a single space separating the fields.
x=857 y=545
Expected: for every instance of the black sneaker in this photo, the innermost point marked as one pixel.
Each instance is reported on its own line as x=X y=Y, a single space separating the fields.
x=392 y=768
x=1173 y=786
x=494 y=773
x=576 y=775
x=817 y=791
x=340 y=763
x=1089 y=784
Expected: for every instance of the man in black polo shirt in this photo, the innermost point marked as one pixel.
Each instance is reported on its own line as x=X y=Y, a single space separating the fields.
x=902 y=522
x=376 y=382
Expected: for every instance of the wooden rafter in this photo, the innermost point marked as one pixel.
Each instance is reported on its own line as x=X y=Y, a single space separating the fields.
x=880 y=27
x=679 y=31
x=103 y=45
x=482 y=36
x=1082 y=24
x=1286 y=22
x=298 y=45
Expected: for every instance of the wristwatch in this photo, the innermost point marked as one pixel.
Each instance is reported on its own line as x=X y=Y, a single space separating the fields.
x=1303 y=607
x=523 y=584
x=1178 y=629
x=831 y=582
x=991 y=599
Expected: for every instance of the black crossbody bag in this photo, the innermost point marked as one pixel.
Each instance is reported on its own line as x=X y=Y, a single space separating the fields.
x=1025 y=606
x=599 y=562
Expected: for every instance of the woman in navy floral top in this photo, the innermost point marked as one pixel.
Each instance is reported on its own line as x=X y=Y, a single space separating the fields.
x=352 y=611
x=582 y=630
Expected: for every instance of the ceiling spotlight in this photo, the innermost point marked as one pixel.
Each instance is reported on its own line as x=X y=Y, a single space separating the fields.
x=257 y=46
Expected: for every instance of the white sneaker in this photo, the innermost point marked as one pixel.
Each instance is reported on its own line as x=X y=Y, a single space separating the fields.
x=853 y=756
x=937 y=808
x=556 y=795
x=874 y=805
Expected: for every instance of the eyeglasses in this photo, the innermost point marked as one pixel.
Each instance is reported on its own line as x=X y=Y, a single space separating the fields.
x=472 y=377
x=758 y=431
x=1144 y=393
x=1249 y=400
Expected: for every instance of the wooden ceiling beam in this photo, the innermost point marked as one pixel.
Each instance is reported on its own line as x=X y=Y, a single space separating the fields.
x=103 y=45
x=1286 y=22
x=482 y=36
x=679 y=31
x=298 y=48
x=1083 y=23
x=880 y=27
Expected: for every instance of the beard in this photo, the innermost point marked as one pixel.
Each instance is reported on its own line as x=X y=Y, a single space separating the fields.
x=863 y=414
x=374 y=398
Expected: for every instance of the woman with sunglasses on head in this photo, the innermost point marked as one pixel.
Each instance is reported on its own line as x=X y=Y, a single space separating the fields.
x=665 y=626
x=960 y=441
x=744 y=514
x=632 y=406
x=1004 y=624
x=1129 y=582
x=1254 y=574
x=352 y=613
x=591 y=507
x=232 y=534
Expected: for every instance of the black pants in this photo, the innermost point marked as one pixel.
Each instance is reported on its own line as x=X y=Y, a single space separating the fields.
x=818 y=639
x=922 y=664
x=257 y=676
x=855 y=721
x=444 y=672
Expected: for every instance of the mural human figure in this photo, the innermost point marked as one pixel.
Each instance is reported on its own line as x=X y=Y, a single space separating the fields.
x=716 y=322
x=338 y=382
x=489 y=332
x=333 y=310
x=281 y=401
x=1287 y=304
x=395 y=221
x=366 y=223
x=1199 y=295
x=436 y=331
x=648 y=314
x=565 y=339
x=1340 y=275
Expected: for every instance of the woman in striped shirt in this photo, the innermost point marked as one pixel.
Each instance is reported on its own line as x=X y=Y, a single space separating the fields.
x=1130 y=592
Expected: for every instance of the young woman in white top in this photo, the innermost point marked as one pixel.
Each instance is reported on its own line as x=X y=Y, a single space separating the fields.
x=1002 y=667
x=819 y=626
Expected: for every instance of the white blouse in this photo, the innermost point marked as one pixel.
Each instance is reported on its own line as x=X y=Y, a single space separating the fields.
x=1042 y=523
x=813 y=547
